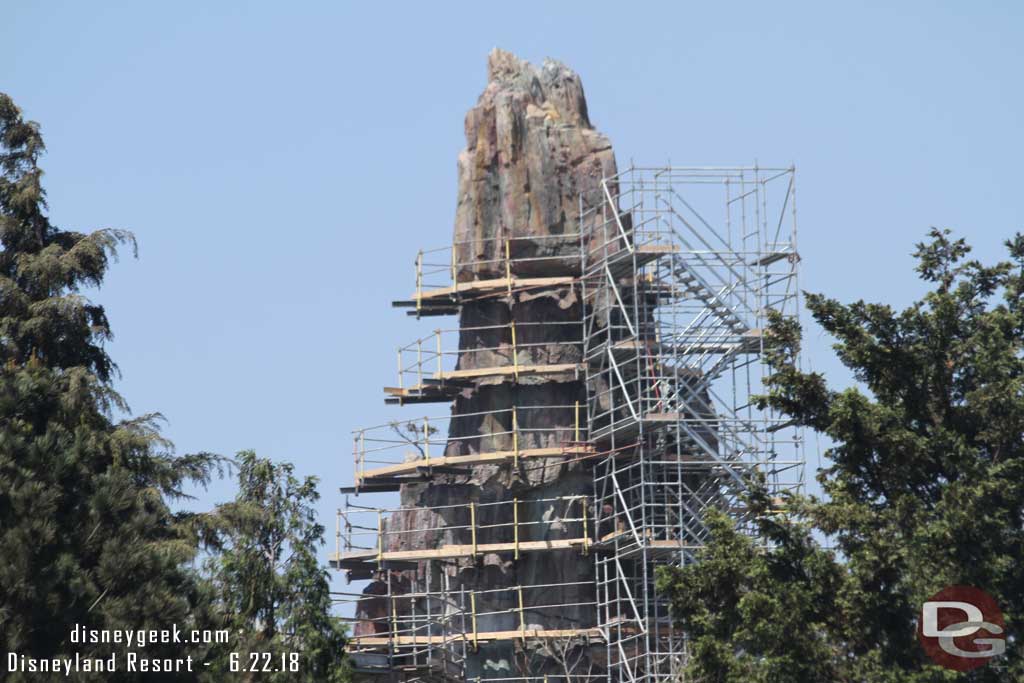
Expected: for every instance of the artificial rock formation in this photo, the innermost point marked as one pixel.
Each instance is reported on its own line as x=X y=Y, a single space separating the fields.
x=530 y=154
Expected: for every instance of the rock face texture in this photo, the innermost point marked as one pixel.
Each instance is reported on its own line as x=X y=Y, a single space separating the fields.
x=530 y=154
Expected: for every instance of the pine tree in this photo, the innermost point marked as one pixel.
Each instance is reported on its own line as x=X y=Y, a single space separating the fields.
x=86 y=534
x=925 y=490
x=269 y=586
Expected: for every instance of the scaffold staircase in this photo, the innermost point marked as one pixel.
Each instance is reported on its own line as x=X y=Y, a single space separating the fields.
x=678 y=270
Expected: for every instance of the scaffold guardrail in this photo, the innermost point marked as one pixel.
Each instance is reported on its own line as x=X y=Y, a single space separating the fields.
x=435 y=367
x=407 y=447
x=676 y=274
x=417 y=622
x=468 y=530
x=498 y=266
x=683 y=268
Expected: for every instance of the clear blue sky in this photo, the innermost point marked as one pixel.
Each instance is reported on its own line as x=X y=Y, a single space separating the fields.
x=281 y=163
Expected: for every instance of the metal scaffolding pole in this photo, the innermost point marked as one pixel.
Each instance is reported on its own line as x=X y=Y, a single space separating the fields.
x=679 y=270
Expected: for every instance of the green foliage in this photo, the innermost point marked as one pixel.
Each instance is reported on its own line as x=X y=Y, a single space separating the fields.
x=758 y=615
x=86 y=536
x=925 y=490
x=269 y=586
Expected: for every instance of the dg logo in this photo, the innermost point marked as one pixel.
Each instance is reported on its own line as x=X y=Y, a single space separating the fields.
x=962 y=628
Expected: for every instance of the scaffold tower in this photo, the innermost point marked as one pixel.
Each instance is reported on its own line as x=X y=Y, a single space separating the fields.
x=585 y=441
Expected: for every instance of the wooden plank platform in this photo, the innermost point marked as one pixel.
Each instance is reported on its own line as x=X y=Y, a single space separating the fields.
x=648 y=540
x=749 y=343
x=529 y=633
x=643 y=254
x=508 y=370
x=663 y=417
x=657 y=249
x=772 y=257
x=474 y=459
x=438 y=389
x=491 y=286
x=422 y=393
x=449 y=552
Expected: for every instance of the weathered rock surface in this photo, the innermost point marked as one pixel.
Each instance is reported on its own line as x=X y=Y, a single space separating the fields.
x=530 y=153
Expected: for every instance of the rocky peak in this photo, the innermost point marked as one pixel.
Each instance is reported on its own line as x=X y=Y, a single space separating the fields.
x=530 y=154
x=554 y=89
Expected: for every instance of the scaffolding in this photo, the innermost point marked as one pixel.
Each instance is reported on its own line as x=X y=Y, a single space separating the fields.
x=679 y=288
x=399 y=452
x=470 y=530
x=679 y=271
x=409 y=621
x=447 y=277
x=435 y=368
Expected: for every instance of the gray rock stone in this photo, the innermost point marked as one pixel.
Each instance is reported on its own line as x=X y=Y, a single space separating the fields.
x=530 y=153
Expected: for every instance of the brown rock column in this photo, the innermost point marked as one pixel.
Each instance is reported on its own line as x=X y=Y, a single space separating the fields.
x=530 y=154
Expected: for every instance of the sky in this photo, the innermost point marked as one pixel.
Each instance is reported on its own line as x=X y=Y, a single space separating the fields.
x=282 y=163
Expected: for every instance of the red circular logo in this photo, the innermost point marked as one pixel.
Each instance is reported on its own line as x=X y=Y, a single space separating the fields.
x=962 y=628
